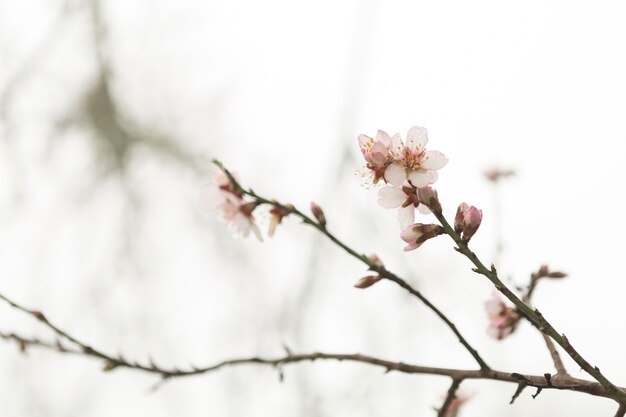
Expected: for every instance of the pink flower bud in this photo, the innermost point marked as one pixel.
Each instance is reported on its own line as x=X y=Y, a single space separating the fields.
x=418 y=233
x=367 y=281
x=375 y=260
x=428 y=196
x=318 y=213
x=471 y=221
x=458 y=219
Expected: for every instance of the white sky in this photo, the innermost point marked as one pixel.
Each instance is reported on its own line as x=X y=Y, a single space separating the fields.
x=278 y=90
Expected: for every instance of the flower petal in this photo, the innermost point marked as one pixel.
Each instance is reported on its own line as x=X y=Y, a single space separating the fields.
x=417 y=138
x=390 y=197
x=411 y=246
x=406 y=216
x=397 y=146
x=383 y=137
x=423 y=209
x=420 y=178
x=364 y=140
x=395 y=174
x=433 y=160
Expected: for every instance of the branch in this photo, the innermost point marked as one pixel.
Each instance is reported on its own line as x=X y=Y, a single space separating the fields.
x=566 y=383
x=381 y=270
x=444 y=410
x=535 y=277
x=533 y=316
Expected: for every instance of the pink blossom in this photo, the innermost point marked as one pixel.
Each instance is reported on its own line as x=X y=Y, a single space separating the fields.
x=502 y=319
x=411 y=160
x=395 y=161
x=376 y=153
x=229 y=203
x=418 y=233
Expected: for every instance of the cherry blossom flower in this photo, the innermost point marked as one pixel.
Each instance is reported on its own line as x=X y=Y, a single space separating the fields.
x=229 y=203
x=418 y=233
x=502 y=319
x=411 y=160
x=406 y=199
x=376 y=153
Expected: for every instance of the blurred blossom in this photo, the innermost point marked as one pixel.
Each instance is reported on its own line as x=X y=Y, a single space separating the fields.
x=229 y=203
x=502 y=319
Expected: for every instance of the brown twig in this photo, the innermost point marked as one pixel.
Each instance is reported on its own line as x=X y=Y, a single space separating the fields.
x=450 y=397
x=535 y=277
x=533 y=316
x=381 y=270
x=566 y=383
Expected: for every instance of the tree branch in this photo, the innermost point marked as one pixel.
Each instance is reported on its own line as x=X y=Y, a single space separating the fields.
x=566 y=383
x=381 y=270
x=533 y=316
x=450 y=397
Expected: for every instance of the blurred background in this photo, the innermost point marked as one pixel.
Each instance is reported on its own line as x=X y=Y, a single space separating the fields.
x=111 y=111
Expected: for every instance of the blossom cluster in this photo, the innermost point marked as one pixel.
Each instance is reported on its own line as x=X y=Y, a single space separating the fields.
x=405 y=166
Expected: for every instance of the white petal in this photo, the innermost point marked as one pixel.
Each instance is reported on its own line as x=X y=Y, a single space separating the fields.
x=391 y=197
x=433 y=160
x=383 y=137
x=397 y=146
x=256 y=231
x=420 y=178
x=395 y=174
x=406 y=216
x=417 y=137
x=423 y=209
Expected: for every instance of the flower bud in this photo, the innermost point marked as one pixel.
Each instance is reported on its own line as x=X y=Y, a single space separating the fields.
x=428 y=196
x=418 y=233
x=375 y=260
x=471 y=221
x=318 y=213
x=367 y=281
x=458 y=219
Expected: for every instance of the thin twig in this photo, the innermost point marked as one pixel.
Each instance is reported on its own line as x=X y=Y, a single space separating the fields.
x=381 y=270
x=533 y=316
x=566 y=383
x=621 y=411
x=535 y=277
x=454 y=386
